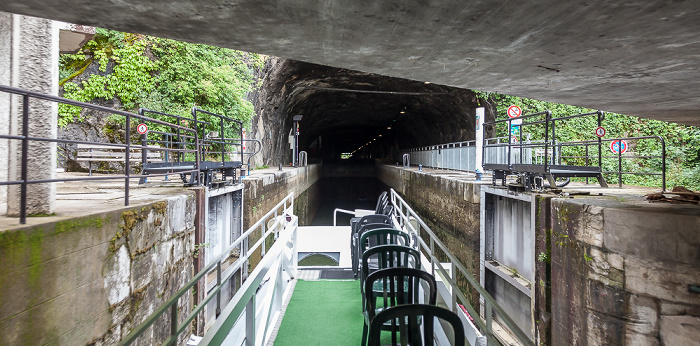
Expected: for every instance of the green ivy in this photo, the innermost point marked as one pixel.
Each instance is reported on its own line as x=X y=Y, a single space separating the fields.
x=159 y=74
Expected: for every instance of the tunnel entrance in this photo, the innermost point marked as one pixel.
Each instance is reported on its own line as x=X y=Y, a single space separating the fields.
x=354 y=114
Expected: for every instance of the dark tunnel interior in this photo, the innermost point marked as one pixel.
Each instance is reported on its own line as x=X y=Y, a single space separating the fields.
x=369 y=115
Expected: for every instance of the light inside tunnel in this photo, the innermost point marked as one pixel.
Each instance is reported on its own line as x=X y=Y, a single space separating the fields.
x=354 y=111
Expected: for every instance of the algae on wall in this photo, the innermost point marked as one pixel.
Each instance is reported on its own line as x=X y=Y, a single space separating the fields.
x=91 y=279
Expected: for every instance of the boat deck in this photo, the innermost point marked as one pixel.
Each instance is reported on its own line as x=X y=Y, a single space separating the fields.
x=322 y=312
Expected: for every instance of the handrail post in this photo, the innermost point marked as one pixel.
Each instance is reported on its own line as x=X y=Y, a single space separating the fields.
x=173 y=323
x=489 y=327
x=25 y=152
x=127 y=154
x=548 y=115
x=196 y=145
x=663 y=163
x=250 y=322
x=619 y=163
x=218 y=283
x=600 y=141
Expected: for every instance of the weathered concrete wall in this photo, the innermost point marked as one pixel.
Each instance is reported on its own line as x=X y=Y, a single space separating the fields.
x=92 y=279
x=266 y=188
x=620 y=274
x=449 y=203
x=29 y=60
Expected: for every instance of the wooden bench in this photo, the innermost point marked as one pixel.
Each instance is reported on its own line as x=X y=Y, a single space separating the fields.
x=105 y=153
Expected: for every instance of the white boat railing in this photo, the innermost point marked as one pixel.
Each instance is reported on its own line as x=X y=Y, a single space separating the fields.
x=242 y=321
x=478 y=329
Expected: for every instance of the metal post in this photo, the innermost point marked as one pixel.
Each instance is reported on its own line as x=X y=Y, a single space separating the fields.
x=587 y=160
x=250 y=322
x=127 y=152
x=600 y=142
x=546 y=138
x=554 y=143
x=619 y=163
x=173 y=323
x=510 y=125
x=663 y=164
x=25 y=152
x=218 y=284
x=196 y=145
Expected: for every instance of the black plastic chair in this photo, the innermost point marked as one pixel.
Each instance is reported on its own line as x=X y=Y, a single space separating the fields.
x=371 y=237
x=396 y=286
x=364 y=223
x=387 y=256
x=406 y=321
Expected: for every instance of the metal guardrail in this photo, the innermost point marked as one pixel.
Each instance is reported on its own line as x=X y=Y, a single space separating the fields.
x=25 y=138
x=461 y=156
x=618 y=157
x=551 y=152
x=404 y=213
x=244 y=297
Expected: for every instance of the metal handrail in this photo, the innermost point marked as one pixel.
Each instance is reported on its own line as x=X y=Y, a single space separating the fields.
x=489 y=303
x=287 y=205
x=25 y=138
x=620 y=156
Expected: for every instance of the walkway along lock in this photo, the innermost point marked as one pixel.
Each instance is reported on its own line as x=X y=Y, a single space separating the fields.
x=186 y=149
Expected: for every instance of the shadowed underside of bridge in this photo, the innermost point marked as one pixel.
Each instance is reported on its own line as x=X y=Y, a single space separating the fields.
x=638 y=58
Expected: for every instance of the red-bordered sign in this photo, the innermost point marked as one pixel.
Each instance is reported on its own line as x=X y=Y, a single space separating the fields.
x=142 y=128
x=514 y=111
x=600 y=132
x=616 y=146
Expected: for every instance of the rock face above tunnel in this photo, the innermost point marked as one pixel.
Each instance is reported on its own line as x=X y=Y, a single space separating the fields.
x=344 y=110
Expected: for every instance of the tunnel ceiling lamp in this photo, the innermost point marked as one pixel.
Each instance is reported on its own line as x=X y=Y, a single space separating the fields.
x=388 y=127
x=427 y=82
x=403 y=112
x=380 y=135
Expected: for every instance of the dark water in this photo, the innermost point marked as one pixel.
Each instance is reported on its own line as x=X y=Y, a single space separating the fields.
x=345 y=193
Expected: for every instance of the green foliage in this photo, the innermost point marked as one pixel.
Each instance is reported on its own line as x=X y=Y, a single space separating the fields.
x=682 y=141
x=159 y=74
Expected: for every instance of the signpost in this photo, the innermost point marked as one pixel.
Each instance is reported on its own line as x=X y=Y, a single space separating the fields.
x=618 y=147
x=600 y=132
x=142 y=128
x=514 y=111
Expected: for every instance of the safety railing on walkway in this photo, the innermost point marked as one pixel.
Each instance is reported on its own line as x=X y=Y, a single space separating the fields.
x=588 y=153
x=29 y=141
x=252 y=310
x=432 y=249
x=459 y=156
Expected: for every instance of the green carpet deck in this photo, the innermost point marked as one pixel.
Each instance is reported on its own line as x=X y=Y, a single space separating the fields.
x=323 y=313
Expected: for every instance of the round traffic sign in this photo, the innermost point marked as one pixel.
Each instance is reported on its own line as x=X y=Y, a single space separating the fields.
x=514 y=111
x=600 y=131
x=142 y=128
x=618 y=146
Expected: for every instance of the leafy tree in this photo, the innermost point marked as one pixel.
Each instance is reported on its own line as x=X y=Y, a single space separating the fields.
x=159 y=74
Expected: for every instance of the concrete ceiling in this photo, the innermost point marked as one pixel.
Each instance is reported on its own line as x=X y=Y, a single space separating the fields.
x=632 y=57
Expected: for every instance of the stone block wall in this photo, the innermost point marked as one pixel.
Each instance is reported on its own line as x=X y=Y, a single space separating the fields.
x=448 y=203
x=265 y=189
x=620 y=274
x=91 y=279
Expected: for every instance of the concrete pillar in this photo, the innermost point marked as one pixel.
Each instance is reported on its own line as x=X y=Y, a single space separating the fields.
x=29 y=60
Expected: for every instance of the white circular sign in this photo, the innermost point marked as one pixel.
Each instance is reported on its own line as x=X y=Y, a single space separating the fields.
x=600 y=131
x=514 y=111
x=142 y=128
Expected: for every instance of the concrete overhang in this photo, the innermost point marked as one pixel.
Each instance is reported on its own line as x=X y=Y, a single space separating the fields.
x=637 y=58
